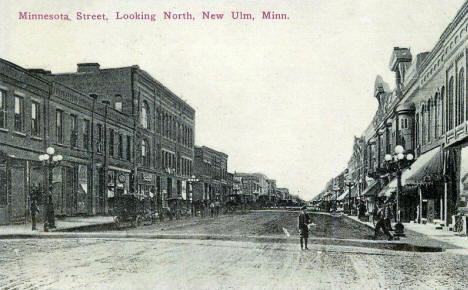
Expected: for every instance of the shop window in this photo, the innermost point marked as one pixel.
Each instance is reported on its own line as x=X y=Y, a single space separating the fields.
x=3 y=185
x=3 y=109
x=19 y=114
x=35 y=119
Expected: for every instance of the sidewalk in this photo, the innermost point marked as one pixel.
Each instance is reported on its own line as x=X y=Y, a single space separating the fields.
x=65 y=224
x=451 y=241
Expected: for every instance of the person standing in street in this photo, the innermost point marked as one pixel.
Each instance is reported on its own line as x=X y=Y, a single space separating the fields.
x=381 y=215
x=34 y=209
x=303 y=226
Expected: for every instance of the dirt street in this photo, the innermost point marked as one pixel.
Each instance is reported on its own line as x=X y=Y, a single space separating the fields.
x=208 y=264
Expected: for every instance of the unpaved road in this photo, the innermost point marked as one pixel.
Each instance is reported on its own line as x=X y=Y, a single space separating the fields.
x=195 y=264
x=263 y=223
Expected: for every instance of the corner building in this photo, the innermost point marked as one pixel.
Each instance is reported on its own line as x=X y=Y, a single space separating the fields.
x=163 y=126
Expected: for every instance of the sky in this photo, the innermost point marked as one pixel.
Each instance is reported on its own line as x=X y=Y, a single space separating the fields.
x=281 y=97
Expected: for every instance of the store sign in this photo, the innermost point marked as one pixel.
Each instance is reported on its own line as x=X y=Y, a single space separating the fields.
x=122 y=178
x=146 y=177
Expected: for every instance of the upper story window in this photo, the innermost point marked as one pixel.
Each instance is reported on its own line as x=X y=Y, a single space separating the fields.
x=129 y=148
x=461 y=97
x=450 y=115
x=19 y=114
x=35 y=119
x=111 y=142
x=3 y=109
x=118 y=103
x=86 y=133
x=120 y=146
x=73 y=130
x=145 y=153
x=144 y=118
x=59 y=126
x=100 y=144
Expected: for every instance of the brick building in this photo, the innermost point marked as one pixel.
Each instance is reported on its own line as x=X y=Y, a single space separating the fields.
x=210 y=168
x=163 y=126
x=37 y=113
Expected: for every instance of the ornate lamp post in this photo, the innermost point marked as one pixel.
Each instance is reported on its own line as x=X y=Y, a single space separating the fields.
x=49 y=161
x=191 y=181
x=395 y=164
x=349 y=184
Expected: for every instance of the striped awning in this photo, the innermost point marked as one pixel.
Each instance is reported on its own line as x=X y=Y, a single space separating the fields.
x=372 y=188
x=427 y=169
x=343 y=195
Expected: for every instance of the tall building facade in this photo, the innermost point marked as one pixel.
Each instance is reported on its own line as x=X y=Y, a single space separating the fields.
x=163 y=125
x=427 y=114
x=214 y=181
x=38 y=113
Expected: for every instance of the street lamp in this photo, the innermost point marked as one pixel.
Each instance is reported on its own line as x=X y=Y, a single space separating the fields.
x=395 y=164
x=191 y=181
x=49 y=161
x=349 y=184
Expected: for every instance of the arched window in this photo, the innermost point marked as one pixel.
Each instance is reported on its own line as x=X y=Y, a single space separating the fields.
x=461 y=92
x=145 y=153
x=429 y=120
x=145 y=112
x=423 y=125
x=416 y=131
x=450 y=116
x=443 y=113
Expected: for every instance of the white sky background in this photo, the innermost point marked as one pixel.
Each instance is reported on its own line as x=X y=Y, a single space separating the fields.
x=280 y=97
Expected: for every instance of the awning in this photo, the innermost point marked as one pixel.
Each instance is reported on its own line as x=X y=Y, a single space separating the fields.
x=426 y=169
x=343 y=195
x=389 y=188
x=371 y=189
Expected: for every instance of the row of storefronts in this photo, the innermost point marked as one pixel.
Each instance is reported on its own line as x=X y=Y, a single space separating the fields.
x=425 y=117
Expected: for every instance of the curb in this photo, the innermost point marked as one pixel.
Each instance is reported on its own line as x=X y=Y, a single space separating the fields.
x=378 y=244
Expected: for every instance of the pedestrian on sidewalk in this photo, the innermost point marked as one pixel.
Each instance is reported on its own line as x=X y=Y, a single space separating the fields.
x=212 y=209
x=388 y=214
x=381 y=215
x=217 y=206
x=303 y=226
x=34 y=209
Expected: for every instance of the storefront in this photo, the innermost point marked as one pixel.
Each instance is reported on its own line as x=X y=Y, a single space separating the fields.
x=19 y=181
x=369 y=195
x=146 y=188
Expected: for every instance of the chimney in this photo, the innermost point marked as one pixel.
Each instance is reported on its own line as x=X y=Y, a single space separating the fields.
x=88 y=67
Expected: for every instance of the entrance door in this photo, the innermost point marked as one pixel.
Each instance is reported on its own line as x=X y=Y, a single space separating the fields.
x=102 y=192
x=169 y=187
x=18 y=195
x=70 y=189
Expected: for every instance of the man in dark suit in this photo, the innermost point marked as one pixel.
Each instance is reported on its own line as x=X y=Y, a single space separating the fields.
x=303 y=225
